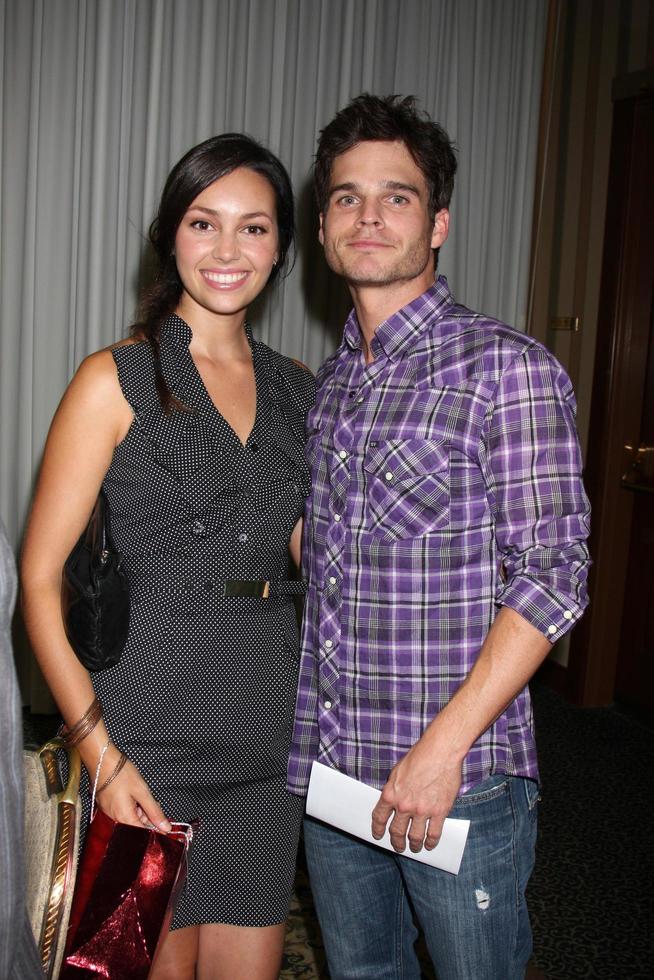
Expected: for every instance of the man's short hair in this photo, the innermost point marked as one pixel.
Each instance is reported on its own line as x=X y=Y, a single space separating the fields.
x=388 y=118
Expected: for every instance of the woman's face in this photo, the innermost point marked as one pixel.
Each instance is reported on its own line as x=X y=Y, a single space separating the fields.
x=226 y=244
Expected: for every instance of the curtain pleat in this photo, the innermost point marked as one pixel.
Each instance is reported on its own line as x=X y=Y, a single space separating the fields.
x=100 y=98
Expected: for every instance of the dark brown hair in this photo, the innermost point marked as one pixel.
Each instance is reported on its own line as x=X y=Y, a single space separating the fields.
x=200 y=167
x=388 y=118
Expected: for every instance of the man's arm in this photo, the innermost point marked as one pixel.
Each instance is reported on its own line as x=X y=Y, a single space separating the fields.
x=423 y=786
x=530 y=458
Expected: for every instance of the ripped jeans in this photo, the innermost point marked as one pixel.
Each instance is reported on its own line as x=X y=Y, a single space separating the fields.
x=475 y=923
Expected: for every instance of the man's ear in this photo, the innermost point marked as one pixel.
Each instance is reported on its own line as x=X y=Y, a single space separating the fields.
x=441 y=228
x=321 y=236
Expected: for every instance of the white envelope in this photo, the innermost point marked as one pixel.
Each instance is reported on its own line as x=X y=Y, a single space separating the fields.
x=347 y=804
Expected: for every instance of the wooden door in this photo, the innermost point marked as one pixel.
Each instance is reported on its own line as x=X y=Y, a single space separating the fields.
x=613 y=648
x=634 y=681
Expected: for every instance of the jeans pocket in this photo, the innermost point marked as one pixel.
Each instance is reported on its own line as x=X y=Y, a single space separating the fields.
x=488 y=789
x=532 y=792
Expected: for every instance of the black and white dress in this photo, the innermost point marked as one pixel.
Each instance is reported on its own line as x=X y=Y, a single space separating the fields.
x=202 y=699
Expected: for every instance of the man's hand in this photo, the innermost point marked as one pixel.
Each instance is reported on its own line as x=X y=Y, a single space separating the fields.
x=420 y=791
x=424 y=784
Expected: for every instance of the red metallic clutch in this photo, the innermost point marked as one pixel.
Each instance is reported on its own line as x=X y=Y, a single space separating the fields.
x=127 y=886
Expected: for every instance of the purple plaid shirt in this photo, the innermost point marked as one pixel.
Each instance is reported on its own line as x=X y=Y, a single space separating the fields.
x=446 y=483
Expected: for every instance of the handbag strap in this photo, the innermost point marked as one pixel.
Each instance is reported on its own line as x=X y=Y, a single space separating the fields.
x=70 y=792
x=97 y=776
x=98 y=538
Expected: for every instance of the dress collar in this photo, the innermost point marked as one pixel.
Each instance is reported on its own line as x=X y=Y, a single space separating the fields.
x=177 y=332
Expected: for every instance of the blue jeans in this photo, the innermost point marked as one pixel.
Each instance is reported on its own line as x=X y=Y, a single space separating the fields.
x=475 y=923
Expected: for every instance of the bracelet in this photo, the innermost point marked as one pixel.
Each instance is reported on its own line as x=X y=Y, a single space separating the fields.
x=84 y=726
x=115 y=771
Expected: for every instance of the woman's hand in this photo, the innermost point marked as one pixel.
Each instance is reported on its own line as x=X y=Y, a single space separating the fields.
x=127 y=799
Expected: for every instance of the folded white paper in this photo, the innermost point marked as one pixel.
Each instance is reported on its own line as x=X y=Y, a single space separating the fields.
x=347 y=804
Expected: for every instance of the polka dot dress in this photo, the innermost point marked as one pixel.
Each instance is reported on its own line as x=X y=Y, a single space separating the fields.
x=202 y=699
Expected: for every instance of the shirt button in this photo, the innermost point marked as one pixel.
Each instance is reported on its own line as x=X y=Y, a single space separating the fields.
x=242 y=538
x=388 y=476
x=551 y=629
x=567 y=614
x=332 y=580
x=327 y=705
x=359 y=399
x=343 y=454
x=198 y=527
x=328 y=644
x=337 y=517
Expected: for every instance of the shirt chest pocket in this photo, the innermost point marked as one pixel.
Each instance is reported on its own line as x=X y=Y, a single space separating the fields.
x=407 y=487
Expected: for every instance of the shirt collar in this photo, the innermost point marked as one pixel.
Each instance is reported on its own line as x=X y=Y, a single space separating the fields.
x=403 y=328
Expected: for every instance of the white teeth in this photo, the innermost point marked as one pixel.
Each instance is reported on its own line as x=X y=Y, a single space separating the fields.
x=225 y=278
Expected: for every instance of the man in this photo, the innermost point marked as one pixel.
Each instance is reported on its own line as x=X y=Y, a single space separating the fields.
x=445 y=551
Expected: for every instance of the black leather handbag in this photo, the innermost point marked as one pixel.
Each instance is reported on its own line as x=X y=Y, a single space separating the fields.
x=95 y=596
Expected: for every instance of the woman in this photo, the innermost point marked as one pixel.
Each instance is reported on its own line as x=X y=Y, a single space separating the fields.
x=194 y=431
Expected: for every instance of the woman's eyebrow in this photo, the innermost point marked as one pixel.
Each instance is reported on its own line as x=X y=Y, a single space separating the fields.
x=247 y=217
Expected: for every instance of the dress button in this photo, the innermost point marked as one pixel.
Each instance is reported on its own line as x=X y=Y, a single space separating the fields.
x=328 y=644
x=242 y=537
x=567 y=614
x=551 y=629
x=332 y=580
x=208 y=585
x=253 y=447
x=342 y=454
x=327 y=704
x=198 y=527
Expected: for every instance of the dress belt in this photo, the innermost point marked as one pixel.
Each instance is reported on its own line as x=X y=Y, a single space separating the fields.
x=230 y=588
x=263 y=589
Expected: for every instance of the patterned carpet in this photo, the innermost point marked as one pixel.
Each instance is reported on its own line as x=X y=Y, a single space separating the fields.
x=303 y=953
x=591 y=897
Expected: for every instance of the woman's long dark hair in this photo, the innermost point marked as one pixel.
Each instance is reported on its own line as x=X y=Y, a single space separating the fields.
x=200 y=167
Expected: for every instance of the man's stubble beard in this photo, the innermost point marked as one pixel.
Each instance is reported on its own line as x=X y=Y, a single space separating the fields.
x=409 y=266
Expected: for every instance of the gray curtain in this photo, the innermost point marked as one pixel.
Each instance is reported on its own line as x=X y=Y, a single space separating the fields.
x=101 y=97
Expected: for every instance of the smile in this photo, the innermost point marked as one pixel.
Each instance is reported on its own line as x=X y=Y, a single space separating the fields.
x=224 y=280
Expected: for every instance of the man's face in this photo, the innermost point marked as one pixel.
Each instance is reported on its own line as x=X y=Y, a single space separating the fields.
x=376 y=228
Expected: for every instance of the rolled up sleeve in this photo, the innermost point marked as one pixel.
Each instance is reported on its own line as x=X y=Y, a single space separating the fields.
x=532 y=467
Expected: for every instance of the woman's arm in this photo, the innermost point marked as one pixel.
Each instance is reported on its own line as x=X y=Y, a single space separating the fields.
x=91 y=420
x=295 y=545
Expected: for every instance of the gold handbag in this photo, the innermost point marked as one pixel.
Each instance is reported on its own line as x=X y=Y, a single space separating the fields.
x=52 y=822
